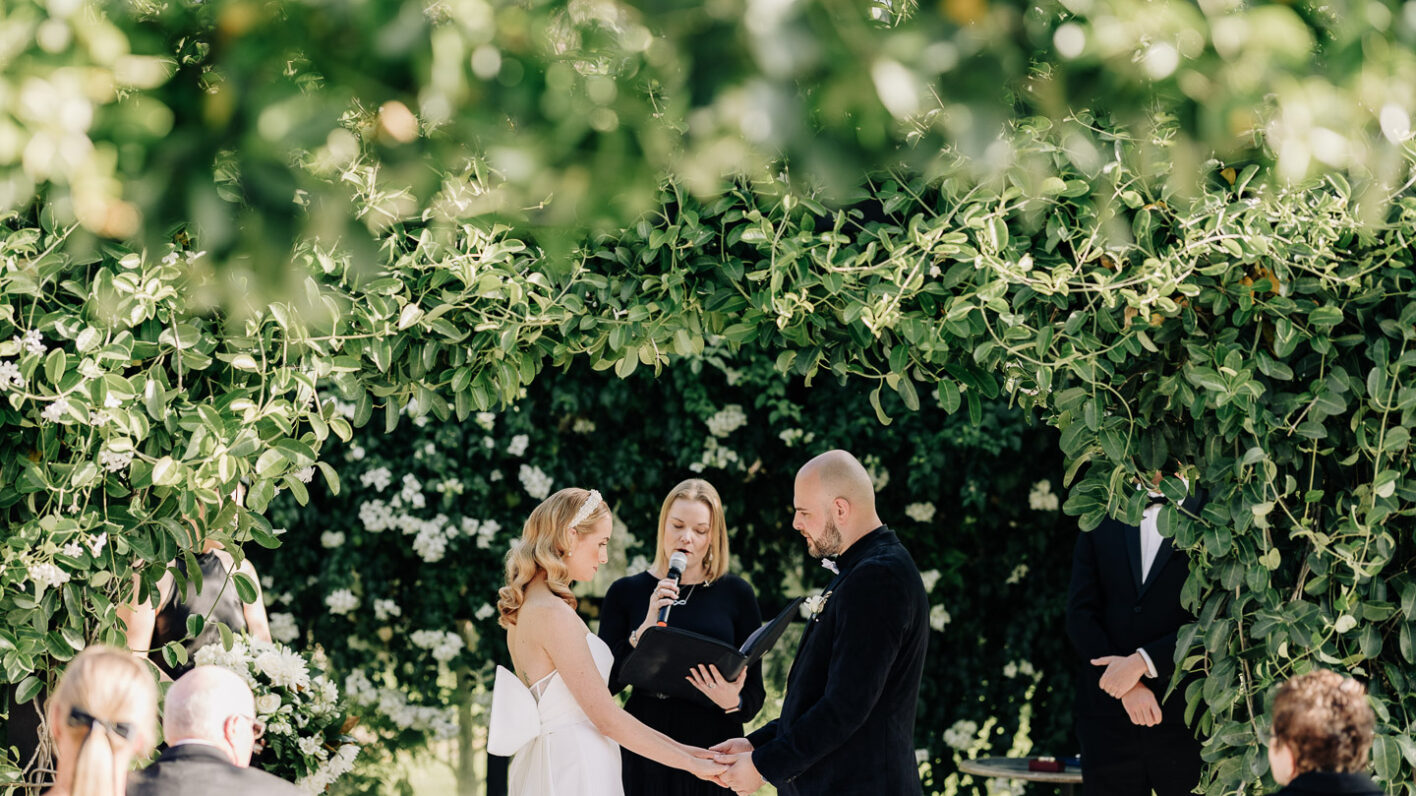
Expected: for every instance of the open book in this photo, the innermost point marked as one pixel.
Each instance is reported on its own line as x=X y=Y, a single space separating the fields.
x=665 y=655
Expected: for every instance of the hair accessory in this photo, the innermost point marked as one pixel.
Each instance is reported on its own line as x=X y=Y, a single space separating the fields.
x=587 y=508
x=79 y=718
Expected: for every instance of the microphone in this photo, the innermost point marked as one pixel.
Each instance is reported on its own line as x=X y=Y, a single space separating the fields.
x=677 y=562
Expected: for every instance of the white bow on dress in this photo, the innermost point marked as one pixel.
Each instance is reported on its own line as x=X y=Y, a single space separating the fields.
x=516 y=720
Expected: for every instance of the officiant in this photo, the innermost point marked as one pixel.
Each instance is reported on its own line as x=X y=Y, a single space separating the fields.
x=707 y=599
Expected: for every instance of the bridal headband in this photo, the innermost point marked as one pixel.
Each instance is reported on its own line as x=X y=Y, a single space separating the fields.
x=587 y=508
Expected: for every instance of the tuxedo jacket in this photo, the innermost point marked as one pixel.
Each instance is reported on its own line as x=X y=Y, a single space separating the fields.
x=847 y=722
x=197 y=770
x=1328 y=783
x=1111 y=611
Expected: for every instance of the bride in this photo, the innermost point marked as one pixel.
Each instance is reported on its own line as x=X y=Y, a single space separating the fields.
x=556 y=715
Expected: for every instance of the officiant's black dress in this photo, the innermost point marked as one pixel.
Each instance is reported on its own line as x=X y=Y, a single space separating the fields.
x=726 y=610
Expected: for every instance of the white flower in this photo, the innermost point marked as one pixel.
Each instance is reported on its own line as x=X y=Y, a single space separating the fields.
x=375 y=515
x=73 y=550
x=1041 y=498
x=938 y=618
x=489 y=443
x=267 y=704
x=10 y=375
x=930 y=578
x=484 y=611
x=305 y=474
x=1020 y=571
x=309 y=747
x=790 y=436
x=1010 y=670
x=384 y=609
x=716 y=456
x=341 y=601
x=921 y=756
x=443 y=645
x=284 y=667
x=358 y=688
x=331 y=539
x=583 y=426
x=96 y=543
x=727 y=420
x=961 y=735
x=56 y=409
x=411 y=491
x=999 y=786
x=518 y=445
x=639 y=564
x=920 y=512
x=379 y=478
x=356 y=452
x=495 y=476
x=486 y=420
x=812 y=606
x=114 y=461
x=48 y=575
x=536 y=483
x=283 y=628
x=430 y=544
x=33 y=342
x=879 y=476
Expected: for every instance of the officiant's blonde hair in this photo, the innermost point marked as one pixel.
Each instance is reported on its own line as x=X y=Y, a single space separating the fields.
x=715 y=563
x=546 y=539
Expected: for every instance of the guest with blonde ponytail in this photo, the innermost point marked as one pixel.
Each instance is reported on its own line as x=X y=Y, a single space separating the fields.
x=102 y=716
x=555 y=715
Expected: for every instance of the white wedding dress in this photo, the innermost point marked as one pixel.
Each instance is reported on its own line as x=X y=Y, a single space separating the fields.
x=555 y=748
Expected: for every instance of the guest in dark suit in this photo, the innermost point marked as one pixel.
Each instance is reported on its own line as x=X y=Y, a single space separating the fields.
x=847 y=724
x=1123 y=614
x=210 y=724
x=1322 y=732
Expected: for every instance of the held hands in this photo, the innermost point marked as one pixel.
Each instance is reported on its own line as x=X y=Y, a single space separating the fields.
x=1141 y=706
x=1122 y=673
x=741 y=775
x=702 y=764
x=664 y=594
x=726 y=694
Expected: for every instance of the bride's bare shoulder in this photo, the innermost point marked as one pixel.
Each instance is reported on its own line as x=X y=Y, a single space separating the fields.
x=544 y=609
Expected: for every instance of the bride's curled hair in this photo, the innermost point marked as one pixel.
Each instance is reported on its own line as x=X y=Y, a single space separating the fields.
x=545 y=539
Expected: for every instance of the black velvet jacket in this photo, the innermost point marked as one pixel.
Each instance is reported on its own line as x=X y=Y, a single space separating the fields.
x=1327 y=783
x=847 y=724
x=1111 y=612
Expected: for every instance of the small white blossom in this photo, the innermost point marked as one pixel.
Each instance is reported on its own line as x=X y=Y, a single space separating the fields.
x=961 y=735
x=484 y=611
x=73 y=550
x=536 y=483
x=920 y=512
x=309 y=746
x=55 y=410
x=1019 y=572
x=518 y=445
x=376 y=516
x=96 y=543
x=879 y=476
x=495 y=476
x=430 y=544
x=411 y=491
x=930 y=578
x=1010 y=670
x=48 y=575
x=486 y=420
x=33 y=342
x=114 y=461
x=332 y=539
x=305 y=474
x=1000 y=786
x=443 y=645
x=356 y=452
x=727 y=420
x=583 y=426
x=792 y=436
x=1042 y=498
x=379 y=478
x=938 y=618
x=341 y=601
x=384 y=609
x=10 y=375
x=283 y=628
x=489 y=443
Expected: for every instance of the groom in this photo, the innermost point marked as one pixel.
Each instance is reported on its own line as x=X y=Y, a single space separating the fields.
x=847 y=725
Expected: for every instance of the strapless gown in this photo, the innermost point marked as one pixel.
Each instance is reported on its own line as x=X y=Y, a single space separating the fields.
x=554 y=747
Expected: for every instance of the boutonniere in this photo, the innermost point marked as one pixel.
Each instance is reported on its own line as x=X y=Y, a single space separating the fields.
x=831 y=565
x=815 y=605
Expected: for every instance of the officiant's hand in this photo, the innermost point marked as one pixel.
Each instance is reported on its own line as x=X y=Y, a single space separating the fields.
x=741 y=775
x=1122 y=673
x=726 y=694
x=664 y=594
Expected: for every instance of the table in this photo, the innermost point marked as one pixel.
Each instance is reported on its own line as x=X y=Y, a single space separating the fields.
x=1017 y=768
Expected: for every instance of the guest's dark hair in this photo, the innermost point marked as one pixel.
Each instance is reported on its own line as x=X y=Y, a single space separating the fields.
x=1324 y=719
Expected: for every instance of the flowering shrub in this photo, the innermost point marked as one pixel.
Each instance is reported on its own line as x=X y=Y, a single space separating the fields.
x=305 y=739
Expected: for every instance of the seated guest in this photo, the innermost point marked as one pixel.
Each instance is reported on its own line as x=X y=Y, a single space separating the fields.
x=101 y=716
x=211 y=729
x=1322 y=732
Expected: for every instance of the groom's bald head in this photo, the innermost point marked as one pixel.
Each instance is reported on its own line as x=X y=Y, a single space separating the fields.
x=841 y=475
x=834 y=491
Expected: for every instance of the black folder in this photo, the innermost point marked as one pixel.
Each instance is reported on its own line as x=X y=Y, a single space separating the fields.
x=664 y=656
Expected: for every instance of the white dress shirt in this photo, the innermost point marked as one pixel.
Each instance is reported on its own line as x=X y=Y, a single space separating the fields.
x=1150 y=545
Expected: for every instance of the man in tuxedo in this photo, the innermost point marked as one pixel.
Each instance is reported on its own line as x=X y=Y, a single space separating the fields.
x=847 y=724
x=1123 y=614
x=210 y=724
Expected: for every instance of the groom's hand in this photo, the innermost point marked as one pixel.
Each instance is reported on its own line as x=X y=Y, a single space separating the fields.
x=1122 y=673
x=741 y=775
x=732 y=746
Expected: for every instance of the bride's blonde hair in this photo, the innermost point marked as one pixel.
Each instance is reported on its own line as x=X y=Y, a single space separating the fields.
x=545 y=539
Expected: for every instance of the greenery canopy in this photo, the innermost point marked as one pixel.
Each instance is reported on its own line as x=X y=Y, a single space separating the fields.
x=1138 y=249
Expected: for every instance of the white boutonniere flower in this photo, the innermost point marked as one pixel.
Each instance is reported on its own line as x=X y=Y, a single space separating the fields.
x=814 y=605
x=831 y=565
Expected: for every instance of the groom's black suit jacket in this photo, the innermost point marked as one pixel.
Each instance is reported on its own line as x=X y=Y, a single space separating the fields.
x=847 y=724
x=198 y=770
x=1111 y=611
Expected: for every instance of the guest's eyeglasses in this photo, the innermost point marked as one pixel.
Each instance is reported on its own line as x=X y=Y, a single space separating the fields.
x=257 y=726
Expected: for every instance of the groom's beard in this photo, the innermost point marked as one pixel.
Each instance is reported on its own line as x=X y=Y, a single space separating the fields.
x=829 y=544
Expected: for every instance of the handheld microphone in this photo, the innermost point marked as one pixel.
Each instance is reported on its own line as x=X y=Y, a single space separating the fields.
x=677 y=562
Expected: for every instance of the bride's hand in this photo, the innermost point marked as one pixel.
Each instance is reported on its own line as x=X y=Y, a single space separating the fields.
x=726 y=694
x=704 y=768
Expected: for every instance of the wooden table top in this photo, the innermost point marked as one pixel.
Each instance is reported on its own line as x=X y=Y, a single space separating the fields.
x=1017 y=768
